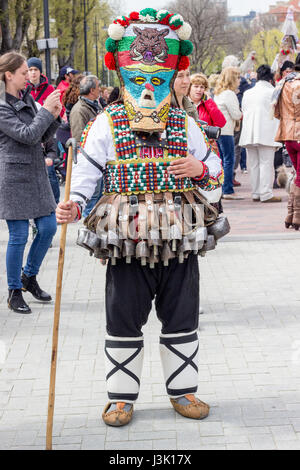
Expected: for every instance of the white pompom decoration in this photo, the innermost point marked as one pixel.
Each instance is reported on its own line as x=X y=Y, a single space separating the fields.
x=175 y=18
x=184 y=32
x=148 y=18
x=161 y=13
x=116 y=31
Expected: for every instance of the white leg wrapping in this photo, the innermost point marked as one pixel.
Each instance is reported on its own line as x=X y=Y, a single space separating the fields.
x=123 y=364
x=179 y=356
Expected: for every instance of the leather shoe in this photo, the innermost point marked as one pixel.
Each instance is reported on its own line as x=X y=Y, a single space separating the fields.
x=190 y=407
x=273 y=199
x=30 y=284
x=119 y=415
x=233 y=197
x=236 y=183
x=16 y=302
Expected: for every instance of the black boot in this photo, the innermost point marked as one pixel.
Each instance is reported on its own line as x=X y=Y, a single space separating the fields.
x=16 y=302
x=30 y=284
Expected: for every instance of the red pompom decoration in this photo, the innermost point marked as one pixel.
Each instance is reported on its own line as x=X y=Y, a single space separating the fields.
x=184 y=63
x=121 y=22
x=175 y=27
x=165 y=20
x=109 y=60
x=134 y=15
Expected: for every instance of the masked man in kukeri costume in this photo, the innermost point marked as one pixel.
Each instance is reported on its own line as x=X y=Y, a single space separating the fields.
x=151 y=222
x=288 y=46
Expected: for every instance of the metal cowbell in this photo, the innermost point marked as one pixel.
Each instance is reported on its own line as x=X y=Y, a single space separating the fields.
x=210 y=243
x=175 y=234
x=128 y=250
x=219 y=228
x=88 y=240
x=201 y=236
x=167 y=254
x=142 y=252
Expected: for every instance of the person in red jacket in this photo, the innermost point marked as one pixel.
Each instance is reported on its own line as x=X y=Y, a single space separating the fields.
x=207 y=109
x=66 y=75
x=40 y=88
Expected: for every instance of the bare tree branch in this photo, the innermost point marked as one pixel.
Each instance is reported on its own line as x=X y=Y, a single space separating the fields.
x=208 y=19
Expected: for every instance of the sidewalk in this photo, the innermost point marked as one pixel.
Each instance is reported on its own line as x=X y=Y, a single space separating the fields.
x=249 y=350
x=255 y=220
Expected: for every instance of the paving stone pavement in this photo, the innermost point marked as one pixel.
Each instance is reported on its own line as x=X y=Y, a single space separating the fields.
x=249 y=357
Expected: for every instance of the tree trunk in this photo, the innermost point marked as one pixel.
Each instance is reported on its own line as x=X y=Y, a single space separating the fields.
x=7 y=42
x=23 y=11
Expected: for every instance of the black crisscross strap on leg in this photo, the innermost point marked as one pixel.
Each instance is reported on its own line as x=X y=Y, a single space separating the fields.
x=124 y=359
x=179 y=355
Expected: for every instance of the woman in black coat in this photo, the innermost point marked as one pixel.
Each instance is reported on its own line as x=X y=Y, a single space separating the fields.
x=25 y=191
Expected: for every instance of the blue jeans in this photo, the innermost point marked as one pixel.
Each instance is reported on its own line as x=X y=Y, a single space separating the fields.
x=54 y=183
x=226 y=148
x=18 y=235
x=95 y=198
x=243 y=162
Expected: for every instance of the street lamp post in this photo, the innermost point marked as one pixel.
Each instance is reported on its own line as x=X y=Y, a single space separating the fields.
x=96 y=37
x=47 y=35
x=85 y=5
x=104 y=28
x=103 y=71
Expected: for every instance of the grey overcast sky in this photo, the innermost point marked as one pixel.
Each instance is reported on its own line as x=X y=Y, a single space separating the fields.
x=236 y=7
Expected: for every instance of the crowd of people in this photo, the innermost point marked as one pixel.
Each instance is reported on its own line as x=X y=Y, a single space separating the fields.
x=167 y=138
x=239 y=105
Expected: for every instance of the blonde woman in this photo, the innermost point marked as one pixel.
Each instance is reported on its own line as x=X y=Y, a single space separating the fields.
x=212 y=81
x=227 y=102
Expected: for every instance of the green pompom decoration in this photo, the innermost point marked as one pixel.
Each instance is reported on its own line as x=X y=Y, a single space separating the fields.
x=186 y=47
x=162 y=14
x=176 y=20
x=110 y=45
x=149 y=11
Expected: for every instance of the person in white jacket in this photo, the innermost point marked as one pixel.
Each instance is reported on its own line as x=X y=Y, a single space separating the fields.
x=227 y=102
x=258 y=135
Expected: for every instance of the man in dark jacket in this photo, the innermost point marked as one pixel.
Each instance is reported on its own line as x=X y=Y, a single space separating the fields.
x=40 y=88
x=87 y=106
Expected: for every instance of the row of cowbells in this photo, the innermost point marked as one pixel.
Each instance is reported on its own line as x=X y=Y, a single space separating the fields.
x=153 y=250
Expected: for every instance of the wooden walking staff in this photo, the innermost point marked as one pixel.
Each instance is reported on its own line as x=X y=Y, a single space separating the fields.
x=72 y=156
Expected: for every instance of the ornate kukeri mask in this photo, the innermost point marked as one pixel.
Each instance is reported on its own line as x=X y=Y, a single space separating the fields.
x=147 y=50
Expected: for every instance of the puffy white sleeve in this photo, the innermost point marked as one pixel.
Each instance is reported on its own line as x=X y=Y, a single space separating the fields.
x=96 y=149
x=199 y=148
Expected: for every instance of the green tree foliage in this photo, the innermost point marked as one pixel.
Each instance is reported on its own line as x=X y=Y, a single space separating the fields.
x=266 y=44
x=22 y=23
x=68 y=27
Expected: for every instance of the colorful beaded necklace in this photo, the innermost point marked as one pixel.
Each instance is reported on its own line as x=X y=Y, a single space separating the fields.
x=131 y=174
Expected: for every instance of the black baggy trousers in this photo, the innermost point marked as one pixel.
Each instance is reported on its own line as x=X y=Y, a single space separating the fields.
x=131 y=288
